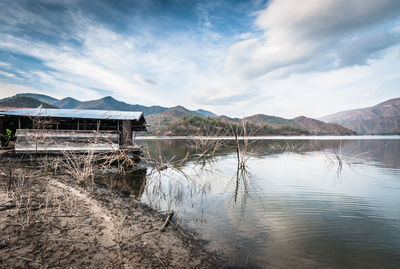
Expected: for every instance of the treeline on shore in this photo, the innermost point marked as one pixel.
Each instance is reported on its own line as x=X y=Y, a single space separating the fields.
x=191 y=125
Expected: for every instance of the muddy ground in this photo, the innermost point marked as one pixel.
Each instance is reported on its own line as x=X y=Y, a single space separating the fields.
x=51 y=221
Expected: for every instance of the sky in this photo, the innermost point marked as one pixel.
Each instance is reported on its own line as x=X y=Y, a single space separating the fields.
x=238 y=58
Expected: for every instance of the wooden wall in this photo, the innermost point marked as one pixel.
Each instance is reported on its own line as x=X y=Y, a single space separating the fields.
x=48 y=141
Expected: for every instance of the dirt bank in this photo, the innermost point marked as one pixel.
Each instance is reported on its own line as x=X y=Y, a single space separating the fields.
x=51 y=221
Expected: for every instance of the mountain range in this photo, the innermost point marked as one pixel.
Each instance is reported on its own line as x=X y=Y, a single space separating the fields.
x=107 y=103
x=383 y=118
x=313 y=126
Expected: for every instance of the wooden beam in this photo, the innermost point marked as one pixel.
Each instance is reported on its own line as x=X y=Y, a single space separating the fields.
x=126 y=132
x=2 y=132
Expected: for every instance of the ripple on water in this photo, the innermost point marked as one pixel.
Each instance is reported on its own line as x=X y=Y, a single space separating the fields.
x=295 y=211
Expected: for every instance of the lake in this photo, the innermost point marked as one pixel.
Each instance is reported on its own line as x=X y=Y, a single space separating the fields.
x=331 y=202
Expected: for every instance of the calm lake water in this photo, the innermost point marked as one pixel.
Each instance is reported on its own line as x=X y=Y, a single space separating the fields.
x=296 y=205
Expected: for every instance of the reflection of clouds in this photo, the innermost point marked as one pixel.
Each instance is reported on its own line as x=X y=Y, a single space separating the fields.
x=301 y=228
x=309 y=216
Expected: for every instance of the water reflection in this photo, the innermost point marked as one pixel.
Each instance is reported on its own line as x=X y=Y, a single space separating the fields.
x=241 y=186
x=131 y=182
x=180 y=149
x=288 y=209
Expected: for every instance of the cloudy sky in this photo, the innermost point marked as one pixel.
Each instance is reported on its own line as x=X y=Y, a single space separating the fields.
x=281 y=57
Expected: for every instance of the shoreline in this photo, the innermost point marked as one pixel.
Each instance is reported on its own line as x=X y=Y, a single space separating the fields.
x=309 y=137
x=66 y=224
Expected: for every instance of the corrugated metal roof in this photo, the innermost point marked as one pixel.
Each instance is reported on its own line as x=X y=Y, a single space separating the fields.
x=75 y=113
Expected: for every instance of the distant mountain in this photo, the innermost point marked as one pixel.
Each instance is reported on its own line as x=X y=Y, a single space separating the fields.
x=318 y=127
x=107 y=103
x=310 y=125
x=260 y=119
x=159 y=120
x=383 y=118
x=206 y=113
x=23 y=101
x=225 y=118
x=67 y=103
x=164 y=124
x=41 y=97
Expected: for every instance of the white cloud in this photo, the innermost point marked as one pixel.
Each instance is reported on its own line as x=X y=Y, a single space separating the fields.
x=6 y=74
x=297 y=33
x=121 y=64
x=224 y=95
x=316 y=94
x=142 y=80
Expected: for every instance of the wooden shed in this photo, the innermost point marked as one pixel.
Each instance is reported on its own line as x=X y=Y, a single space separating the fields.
x=52 y=130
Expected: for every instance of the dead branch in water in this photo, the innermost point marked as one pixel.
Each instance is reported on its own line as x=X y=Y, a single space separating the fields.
x=243 y=151
x=206 y=142
x=169 y=216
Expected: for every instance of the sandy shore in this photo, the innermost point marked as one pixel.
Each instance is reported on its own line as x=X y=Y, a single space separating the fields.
x=51 y=221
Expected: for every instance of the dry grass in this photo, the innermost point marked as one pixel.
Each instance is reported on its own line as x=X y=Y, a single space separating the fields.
x=288 y=146
x=80 y=167
x=57 y=227
x=46 y=222
x=205 y=146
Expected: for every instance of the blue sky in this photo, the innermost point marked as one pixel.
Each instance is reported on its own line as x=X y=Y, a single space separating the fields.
x=282 y=57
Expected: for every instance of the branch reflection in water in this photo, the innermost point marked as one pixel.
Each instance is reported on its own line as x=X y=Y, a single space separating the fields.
x=171 y=177
x=241 y=192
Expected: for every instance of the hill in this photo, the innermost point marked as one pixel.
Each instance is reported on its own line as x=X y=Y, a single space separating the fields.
x=109 y=103
x=261 y=119
x=161 y=120
x=312 y=126
x=321 y=128
x=206 y=113
x=23 y=101
x=41 y=97
x=67 y=103
x=180 y=121
x=384 y=118
x=193 y=125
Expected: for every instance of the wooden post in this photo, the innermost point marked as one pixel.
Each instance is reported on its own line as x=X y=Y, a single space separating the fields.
x=120 y=134
x=77 y=126
x=98 y=125
x=2 y=131
x=126 y=132
x=19 y=123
